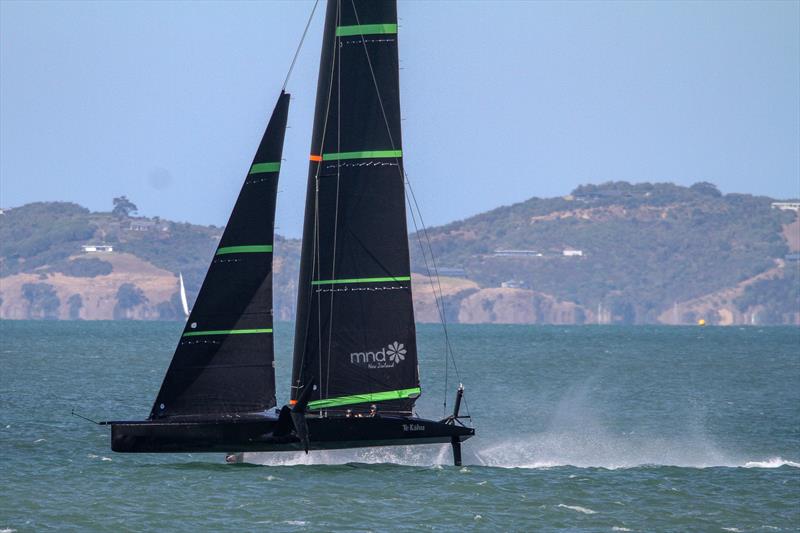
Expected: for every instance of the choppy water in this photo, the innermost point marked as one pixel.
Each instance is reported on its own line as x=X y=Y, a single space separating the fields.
x=594 y=428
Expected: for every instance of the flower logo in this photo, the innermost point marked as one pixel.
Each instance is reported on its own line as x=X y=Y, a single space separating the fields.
x=396 y=352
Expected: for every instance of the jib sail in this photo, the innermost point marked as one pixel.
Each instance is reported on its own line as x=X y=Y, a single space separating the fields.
x=223 y=365
x=355 y=339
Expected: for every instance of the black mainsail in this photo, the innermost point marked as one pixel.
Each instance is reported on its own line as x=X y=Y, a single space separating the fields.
x=223 y=365
x=355 y=340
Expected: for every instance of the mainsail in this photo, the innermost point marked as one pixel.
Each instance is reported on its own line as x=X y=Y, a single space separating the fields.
x=355 y=340
x=223 y=365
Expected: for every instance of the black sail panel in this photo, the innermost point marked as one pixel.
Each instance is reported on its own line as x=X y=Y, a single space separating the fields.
x=223 y=365
x=355 y=338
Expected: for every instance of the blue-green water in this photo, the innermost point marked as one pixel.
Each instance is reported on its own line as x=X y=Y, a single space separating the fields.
x=593 y=428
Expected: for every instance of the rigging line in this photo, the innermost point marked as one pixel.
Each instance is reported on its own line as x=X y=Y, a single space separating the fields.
x=436 y=272
x=315 y=245
x=435 y=299
x=299 y=46
x=408 y=182
x=337 y=45
x=316 y=179
x=403 y=174
x=317 y=261
x=438 y=300
x=438 y=279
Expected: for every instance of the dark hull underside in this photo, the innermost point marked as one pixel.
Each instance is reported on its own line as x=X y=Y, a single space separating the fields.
x=258 y=435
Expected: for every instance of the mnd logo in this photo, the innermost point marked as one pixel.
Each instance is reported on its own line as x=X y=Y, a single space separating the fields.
x=387 y=357
x=396 y=352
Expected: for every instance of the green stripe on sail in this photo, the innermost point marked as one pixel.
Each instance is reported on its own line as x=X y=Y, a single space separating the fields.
x=362 y=155
x=251 y=249
x=258 y=168
x=365 y=398
x=226 y=332
x=359 y=280
x=365 y=29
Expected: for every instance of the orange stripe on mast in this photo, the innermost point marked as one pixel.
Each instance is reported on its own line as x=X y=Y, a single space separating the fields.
x=315 y=157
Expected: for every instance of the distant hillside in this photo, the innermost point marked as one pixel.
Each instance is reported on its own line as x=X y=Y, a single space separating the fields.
x=613 y=253
x=44 y=272
x=626 y=253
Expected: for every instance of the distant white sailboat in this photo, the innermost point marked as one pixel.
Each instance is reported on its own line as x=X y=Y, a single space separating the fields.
x=184 y=302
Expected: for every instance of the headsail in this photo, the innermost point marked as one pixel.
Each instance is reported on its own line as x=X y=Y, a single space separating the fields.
x=355 y=338
x=223 y=364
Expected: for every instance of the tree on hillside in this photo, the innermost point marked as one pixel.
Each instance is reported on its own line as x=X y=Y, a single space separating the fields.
x=704 y=187
x=123 y=207
x=128 y=297
x=42 y=299
x=75 y=302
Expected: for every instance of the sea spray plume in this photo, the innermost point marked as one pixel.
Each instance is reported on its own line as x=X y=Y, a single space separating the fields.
x=582 y=432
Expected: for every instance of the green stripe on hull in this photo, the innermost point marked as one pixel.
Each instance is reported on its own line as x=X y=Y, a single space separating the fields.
x=226 y=332
x=365 y=29
x=251 y=249
x=260 y=168
x=371 y=397
x=359 y=280
x=369 y=154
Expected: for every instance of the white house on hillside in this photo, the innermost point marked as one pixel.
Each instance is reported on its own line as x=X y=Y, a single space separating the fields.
x=97 y=248
x=786 y=206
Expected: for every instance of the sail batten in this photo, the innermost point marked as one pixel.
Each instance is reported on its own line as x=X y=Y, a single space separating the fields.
x=367 y=154
x=244 y=249
x=262 y=168
x=355 y=336
x=365 y=398
x=224 y=362
x=227 y=332
x=359 y=280
x=365 y=29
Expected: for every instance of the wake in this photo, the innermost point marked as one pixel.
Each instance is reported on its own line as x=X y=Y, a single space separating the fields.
x=535 y=452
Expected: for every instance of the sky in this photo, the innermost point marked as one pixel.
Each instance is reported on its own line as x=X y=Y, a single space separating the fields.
x=165 y=102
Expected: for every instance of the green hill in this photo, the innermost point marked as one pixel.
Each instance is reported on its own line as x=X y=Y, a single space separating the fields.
x=45 y=237
x=644 y=248
x=611 y=253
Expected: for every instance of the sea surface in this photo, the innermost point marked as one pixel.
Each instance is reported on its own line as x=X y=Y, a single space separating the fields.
x=595 y=428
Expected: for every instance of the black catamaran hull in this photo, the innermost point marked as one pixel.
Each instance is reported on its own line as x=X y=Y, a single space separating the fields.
x=260 y=435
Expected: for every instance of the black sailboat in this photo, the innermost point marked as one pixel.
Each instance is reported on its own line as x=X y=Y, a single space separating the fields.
x=355 y=375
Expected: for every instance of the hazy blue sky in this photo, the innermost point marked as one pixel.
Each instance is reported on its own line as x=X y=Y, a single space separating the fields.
x=166 y=102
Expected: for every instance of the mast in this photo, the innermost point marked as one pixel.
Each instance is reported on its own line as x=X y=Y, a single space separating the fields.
x=355 y=339
x=223 y=365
